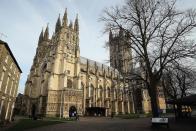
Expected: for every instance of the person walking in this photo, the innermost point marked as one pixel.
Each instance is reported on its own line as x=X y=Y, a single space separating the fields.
x=77 y=117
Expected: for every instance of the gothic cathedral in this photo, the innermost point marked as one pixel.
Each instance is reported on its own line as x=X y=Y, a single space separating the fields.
x=62 y=83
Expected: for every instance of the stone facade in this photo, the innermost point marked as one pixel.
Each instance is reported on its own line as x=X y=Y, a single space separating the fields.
x=9 y=80
x=120 y=53
x=62 y=82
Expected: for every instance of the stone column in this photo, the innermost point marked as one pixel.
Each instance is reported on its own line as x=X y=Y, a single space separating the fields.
x=116 y=107
x=7 y=110
x=12 y=111
x=128 y=104
x=123 y=110
x=1 y=106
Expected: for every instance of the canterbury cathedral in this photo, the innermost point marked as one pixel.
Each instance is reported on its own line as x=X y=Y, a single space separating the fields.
x=61 y=82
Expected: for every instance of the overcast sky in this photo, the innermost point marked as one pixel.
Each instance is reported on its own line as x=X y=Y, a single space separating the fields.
x=21 y=22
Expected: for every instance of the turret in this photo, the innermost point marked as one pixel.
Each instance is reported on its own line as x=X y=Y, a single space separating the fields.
x=58 y=24
x=76 y=24
x=46 y=33
x=65 y=18
x=41 y=37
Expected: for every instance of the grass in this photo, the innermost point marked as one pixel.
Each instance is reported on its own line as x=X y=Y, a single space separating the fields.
x=25 y=124
x=128 y=116
x=148 y=114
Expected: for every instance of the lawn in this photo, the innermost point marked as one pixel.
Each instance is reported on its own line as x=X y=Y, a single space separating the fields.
x=128 y=116
x=25 y=124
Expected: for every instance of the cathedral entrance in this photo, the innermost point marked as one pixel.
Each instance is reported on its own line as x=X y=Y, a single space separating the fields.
x=72 y=111
x=95 y=111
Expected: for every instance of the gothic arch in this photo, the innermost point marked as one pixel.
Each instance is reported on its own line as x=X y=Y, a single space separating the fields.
x=100 y=91
x=91 y=90
x=72 y=111
x=108 y=91
x=69 y=83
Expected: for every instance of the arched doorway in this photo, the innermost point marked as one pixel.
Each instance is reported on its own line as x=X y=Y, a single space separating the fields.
x=72 y=111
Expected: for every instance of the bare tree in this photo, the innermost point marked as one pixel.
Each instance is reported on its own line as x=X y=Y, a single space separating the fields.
x=177 y=83
x=158 y=35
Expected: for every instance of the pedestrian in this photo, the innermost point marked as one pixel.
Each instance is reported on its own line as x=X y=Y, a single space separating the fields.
x=77 y=117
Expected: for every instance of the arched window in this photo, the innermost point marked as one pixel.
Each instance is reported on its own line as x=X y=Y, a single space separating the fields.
x=69 y=83
x=108 y=92
x=91 y=90
x=99 y=91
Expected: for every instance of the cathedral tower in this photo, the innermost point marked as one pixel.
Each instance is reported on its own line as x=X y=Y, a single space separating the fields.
x=54 y=82
x=120 y=53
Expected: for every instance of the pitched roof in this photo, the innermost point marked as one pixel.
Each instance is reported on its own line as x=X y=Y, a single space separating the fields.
x=7 y=47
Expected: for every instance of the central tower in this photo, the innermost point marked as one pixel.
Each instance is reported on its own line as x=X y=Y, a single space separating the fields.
x=64 y=82
x=120 y=53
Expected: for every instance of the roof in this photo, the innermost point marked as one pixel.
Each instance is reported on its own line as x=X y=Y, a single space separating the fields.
x=7 y=47
x=84 y=60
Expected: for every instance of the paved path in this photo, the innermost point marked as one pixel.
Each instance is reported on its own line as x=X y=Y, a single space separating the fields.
x=108 y=124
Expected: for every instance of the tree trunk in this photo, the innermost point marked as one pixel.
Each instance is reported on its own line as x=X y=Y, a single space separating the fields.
x=153 y=99
x=179 y=110
x=174 y=108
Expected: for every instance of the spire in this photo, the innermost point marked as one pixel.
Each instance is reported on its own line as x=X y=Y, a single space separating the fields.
x=76 y=24
x=71 y=24
x=110 y=35
x=58 y=24
x=41 y=36
x=46 y=33
x=65 y=18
